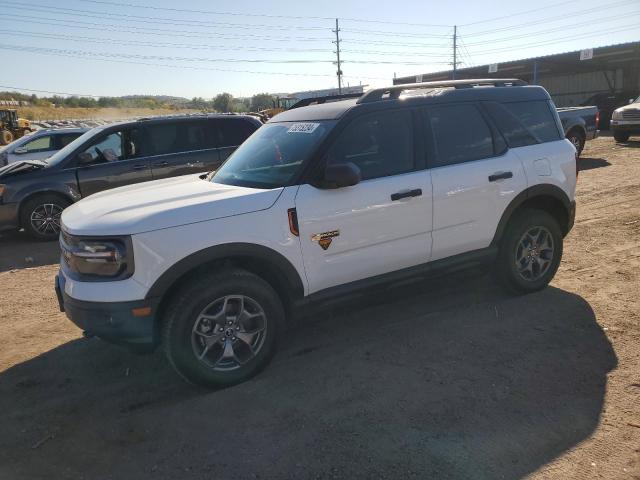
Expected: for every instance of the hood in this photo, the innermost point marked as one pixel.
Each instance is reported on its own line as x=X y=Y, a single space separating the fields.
x=23 y=166
x=162 y=204
x=631 y=106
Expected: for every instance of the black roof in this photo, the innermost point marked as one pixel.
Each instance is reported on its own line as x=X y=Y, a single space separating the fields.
x=180 y=118
x=415 y=94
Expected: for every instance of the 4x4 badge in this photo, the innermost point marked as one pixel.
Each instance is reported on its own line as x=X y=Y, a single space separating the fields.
x=324 y=239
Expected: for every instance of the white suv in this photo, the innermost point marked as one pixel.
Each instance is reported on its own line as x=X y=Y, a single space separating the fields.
x=321 y=201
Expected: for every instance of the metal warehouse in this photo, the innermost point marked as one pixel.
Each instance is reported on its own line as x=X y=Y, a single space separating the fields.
x=571 y=78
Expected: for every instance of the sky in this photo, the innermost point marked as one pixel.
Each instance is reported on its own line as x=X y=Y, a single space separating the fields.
x=201 y=48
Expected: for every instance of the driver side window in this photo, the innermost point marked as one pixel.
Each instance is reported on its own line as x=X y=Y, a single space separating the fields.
x=107 y=149
x=380 y=144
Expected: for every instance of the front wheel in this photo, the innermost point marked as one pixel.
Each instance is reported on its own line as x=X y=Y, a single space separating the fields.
x=6 y=137
x=530 y=251
x=40 y=216
x=621 y=136
x=222 y=328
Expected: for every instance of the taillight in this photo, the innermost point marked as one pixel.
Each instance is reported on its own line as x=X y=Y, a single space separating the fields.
x=597 y=119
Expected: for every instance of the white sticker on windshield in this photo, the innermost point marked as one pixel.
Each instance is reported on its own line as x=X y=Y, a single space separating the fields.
x=303 y=128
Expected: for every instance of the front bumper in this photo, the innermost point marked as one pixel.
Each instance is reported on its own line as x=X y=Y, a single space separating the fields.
x=115 y=322
x=625 y=126
x=9 y=216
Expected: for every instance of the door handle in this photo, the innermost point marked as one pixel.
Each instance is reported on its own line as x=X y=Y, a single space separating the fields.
x=500 y=176
x=139 y=167
x=161 y=164
x=416 y=192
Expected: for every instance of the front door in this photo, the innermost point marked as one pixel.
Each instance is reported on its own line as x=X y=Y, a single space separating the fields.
x=380 y=225
x=112 y=160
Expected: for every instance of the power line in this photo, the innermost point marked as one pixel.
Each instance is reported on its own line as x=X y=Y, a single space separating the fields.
x=555 y=29
x=190 y=67
x=190 y=46
x=152 y=20
x=53 y=93
x=161 y=57
x=555 y=40
x=263 y=15
x=554 y=18
x=158 y=31
x=526 y=12
x=196 y=46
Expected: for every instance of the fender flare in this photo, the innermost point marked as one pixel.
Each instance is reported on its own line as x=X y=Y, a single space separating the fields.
x=541 y=190
x=250 y=251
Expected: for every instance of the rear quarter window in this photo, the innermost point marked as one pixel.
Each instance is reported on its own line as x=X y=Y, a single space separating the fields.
x=537 y=117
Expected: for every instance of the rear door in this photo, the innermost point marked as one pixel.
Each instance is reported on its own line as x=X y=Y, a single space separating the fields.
x=475 y=176
x=232 y=132
x=112 y=159
x=181 y=147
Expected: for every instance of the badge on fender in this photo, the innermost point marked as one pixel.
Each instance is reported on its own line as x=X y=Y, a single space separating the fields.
x=324 y=239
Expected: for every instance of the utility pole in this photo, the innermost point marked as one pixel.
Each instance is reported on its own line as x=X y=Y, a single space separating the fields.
x=337 y=42
x=455 y=50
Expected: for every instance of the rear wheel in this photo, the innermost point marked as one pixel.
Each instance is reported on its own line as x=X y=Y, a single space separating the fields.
x=530 y=251
x=577 y=139
x=6 y=137
x=621 y=136
x=40 y=216
x=222 y=328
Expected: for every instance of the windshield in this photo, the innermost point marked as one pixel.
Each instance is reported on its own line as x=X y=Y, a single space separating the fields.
x=273 y=155
x=60 y=155
x=637 y=100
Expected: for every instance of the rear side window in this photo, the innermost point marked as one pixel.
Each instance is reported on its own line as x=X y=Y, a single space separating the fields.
x=515 y=132
x=537 y=117
x=460 y=134
x=232 y=132
x=176 y=137
x=380 y=144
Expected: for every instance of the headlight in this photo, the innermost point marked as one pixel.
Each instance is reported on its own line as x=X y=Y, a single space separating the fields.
x=617 y=115
x=96 y=258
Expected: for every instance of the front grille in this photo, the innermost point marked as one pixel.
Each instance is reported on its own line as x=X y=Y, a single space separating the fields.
x=631 y=115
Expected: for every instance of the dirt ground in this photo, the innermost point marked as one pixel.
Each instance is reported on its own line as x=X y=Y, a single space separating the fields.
x=450 y=379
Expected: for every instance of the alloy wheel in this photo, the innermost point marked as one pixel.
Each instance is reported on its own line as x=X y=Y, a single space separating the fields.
x=45 y=219
x=229 y=332
x=534 y=253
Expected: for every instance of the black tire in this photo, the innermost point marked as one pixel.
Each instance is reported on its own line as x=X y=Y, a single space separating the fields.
x=621 y=136
x=192 y=300
x=511 y=248
x=6 y=137
x=577 y=139
x=52 y=206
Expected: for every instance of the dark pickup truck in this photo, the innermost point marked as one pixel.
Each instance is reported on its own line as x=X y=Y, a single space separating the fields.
x=580 y=124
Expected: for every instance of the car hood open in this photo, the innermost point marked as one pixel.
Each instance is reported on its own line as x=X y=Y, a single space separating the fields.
x=162 y=204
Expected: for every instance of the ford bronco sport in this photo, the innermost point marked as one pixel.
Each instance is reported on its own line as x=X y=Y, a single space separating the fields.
x=321 y=201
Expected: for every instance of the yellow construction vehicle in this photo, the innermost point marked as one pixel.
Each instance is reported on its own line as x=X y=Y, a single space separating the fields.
x=280 y=104
x=12 y=127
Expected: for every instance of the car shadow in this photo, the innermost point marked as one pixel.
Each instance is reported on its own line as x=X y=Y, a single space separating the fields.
x=443 y=379
x=591 y=163
x=630 y=143
x=18 y=251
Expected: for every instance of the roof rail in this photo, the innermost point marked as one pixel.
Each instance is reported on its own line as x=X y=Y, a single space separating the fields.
x=327 y=98
x=395 y=91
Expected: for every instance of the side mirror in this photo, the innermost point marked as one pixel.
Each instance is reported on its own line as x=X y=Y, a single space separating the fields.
x=20 y=150
x=85 y=158
x=341 y=175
